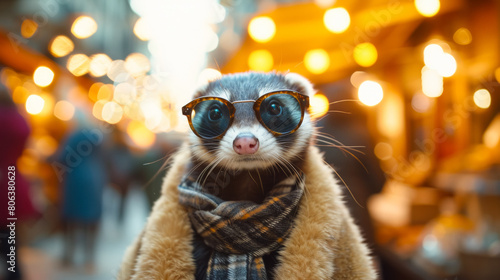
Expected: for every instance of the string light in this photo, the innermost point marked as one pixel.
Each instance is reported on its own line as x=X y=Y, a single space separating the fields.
x=99 y=64
x=482 y=98
x=427 y=8
x=141 y=29
x=84 y=27
x=370 y=93
x=432 y=82
x=61 y=46
x=262 y=29
x=319 y=105
x=317 y=61
x=43 y=76
x=337 y=20
x=34 y=104
x=78 y=64
x=365 y=54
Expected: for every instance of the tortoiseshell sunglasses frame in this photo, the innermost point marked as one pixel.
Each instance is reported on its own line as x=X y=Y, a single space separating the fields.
x=302 y=99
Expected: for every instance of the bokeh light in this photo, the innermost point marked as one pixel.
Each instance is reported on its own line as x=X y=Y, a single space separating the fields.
x=34 y=104
x=432 y=55
x=64 y=110
x=94 y=90
x=370 y=93
x=78 y=64
x=43 y=76
x=209 y=75
x=28 y=28
x=325 y=3
x=383 y=151
x=260 y=60
x=61 y=46
x=432 y=82
x=112 y=112
x=337 y=20
x=427 y=8
x=319 y=105
x=491 y=137
x=99 y=64
x=140 y=134
x=420 y=103
x=358 y=77
x=262 y=29
x=84 y=27
x=105 y=92
x=142 y=30
x=365 y=54
x=124 y=93
x=482 y=98
x=137 y=64
x=317 y=61
x=462 y=36
x=447 y=65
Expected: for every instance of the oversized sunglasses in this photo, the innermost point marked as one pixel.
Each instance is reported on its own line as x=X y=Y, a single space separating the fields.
x=280 y=112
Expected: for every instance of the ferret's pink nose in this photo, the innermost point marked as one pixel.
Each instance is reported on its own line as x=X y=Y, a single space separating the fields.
x=246 y=144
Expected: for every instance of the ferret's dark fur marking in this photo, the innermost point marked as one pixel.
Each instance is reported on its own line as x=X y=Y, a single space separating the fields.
x=246 y=184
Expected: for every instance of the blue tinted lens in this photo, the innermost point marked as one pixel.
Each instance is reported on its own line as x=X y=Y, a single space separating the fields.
x=210 y=118
x=281 y=112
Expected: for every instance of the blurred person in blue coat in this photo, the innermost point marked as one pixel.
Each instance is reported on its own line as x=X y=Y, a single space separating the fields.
x=81 y=169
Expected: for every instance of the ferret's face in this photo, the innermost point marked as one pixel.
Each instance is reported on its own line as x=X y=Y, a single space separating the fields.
x=252 y=140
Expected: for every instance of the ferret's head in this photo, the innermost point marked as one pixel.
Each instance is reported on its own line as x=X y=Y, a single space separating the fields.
x=250 y=120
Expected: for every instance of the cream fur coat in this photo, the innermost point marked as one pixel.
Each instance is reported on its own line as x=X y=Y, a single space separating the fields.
x=324 y=244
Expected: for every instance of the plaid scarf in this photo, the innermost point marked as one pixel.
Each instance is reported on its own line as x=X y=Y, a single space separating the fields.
x=241 y=232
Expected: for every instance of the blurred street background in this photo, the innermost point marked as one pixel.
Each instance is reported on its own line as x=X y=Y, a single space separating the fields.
x=90 y=98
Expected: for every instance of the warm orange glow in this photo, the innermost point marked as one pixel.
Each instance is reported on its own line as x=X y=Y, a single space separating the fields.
x=260 y=60
x=34 y=104
x=137 y=64
x=262 y=29
x=365 y=54
x=61 y=46
x=84 y=27
x=358 y=77
x=317 y=61
x=28 y=28
x=78 y=64
x=99 y=64
x=337 y=20
x=140 y=134
x=319 y=105
x=43 y=76
x=64 y=110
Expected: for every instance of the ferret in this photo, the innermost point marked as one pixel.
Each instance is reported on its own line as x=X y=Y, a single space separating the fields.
x=248 y=153
x=251 y=133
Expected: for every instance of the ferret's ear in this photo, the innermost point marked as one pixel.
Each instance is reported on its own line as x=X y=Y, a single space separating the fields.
x=299 y=83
